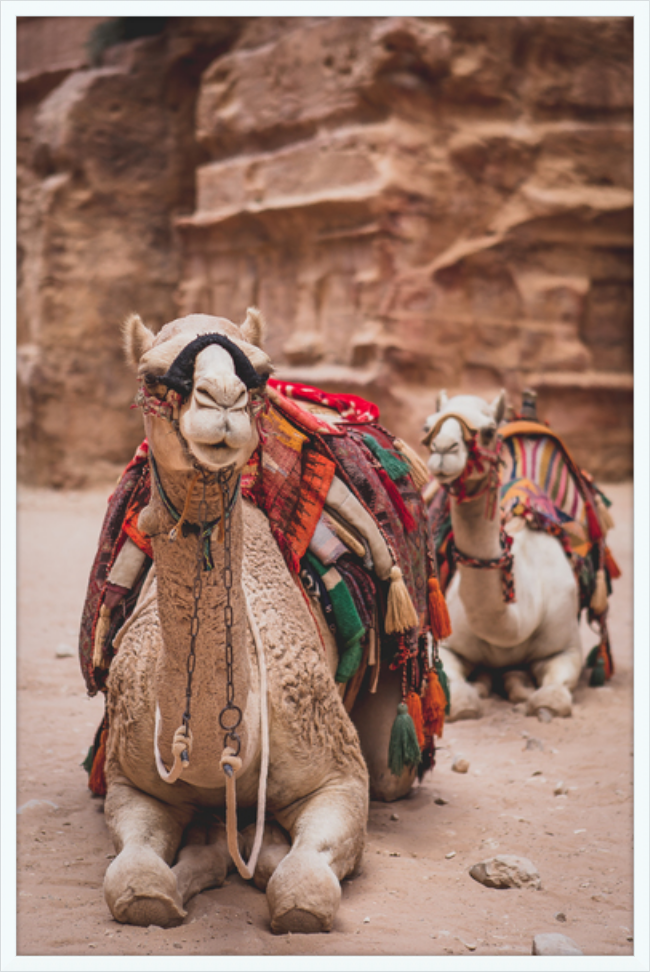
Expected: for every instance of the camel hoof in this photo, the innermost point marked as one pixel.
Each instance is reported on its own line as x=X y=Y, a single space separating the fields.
x=140 y=889
x=555 y=698
x=303 y=894
x=465 y=702
x=297 y=921
x=518 y=686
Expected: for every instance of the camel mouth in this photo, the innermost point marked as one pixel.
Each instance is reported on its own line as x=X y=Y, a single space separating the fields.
x=215 y=455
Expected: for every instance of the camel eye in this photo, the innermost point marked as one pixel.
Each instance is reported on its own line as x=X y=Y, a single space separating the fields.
x=487 y=435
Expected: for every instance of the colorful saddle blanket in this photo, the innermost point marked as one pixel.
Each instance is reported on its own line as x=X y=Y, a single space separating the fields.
x=288 y=477
x=541 y=483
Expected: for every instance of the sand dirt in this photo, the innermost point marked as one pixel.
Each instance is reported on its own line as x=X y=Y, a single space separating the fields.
x=414 y=895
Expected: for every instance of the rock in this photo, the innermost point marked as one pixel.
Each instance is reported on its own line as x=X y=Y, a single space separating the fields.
x=64 y=651
x=460 y=764
x=560 y=916
x=449 y=856
x=560 y=789
x=552 y=943
x=440 y=801
x=506 y=871
x=394 y=816
x=544 y=715
x=534 y=743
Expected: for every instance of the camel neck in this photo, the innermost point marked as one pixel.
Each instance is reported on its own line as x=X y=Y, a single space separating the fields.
x=475 y=533
x=202 y=617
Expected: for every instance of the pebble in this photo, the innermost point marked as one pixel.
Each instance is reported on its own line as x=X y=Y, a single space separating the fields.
x=534 y=743
x=450 y=855
x=441 y=802
x=366 y=921
x=506 y=871
x=552 y=943
x=394 y=816
x=64 y=651
x=560 y=789
x=544 y=715
x=560 y=916
x=460 y=764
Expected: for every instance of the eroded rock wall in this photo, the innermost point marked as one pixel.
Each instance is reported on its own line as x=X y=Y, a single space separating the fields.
x=414 y=203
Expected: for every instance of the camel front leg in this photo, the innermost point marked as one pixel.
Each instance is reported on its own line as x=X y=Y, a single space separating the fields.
x=204 y=860
x=140 y=887
x=465 y=701
x=556 y=676
x=328 y=835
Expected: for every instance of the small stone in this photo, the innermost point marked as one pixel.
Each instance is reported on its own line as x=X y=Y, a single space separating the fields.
x=537 y=773
x=506 y=871
x=560 y=916
x=450 y=855
x=534 y=743
x=366 y=921
x=460 y=764
x=552 y=943
x=544 y=715
x=441 y=802
x=394 y=816
x=560 y=789
x=64 y=651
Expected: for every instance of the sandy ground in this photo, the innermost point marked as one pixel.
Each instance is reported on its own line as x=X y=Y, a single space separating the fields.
x=414 y=896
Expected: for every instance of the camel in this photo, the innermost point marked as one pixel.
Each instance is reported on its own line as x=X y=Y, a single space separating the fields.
x=536 y=634
x=221 y=695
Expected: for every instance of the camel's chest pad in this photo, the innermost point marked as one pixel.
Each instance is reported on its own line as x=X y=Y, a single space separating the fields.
x=180 y=374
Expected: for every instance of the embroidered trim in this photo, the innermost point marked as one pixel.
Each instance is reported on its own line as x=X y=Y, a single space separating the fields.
x=504 y=563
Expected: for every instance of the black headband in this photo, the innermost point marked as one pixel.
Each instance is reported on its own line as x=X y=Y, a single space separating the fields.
x=180 y=375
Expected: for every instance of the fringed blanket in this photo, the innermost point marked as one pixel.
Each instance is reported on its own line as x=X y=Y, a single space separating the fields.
x=289 y=476
x=541 y=484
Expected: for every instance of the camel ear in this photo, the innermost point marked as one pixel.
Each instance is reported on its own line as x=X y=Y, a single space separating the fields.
x=499 y=406
x=254 y=327
x=442 y=400
x=137 y=339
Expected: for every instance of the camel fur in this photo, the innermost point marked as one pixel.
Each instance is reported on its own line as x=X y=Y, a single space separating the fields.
x=533 y=642
x=170 y=837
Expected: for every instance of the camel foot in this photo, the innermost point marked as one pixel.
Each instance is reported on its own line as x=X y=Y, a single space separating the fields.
x=465 y=702
x=140 y=889
x=386 y=787
x=518 y=686
x=303 y=894
x=555 y=698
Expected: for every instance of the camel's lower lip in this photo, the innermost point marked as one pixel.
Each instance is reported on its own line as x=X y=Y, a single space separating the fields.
x=214 y=454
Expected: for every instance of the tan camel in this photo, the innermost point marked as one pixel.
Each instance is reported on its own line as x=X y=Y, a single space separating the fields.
x=181 y=747
x=536 y=634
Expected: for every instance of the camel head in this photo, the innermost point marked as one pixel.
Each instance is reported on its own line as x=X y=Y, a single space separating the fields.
x=201 y=380
x=455 y=429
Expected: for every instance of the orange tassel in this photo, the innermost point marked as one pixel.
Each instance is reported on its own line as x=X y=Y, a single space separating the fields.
x=414 y=706
x=439 y=615
x=611 y=565
x=433 y=705
x=97 y=779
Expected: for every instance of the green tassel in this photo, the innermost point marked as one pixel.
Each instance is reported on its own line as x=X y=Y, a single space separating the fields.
x=350 y=660
x=403 y=748
x=592 y=656
x=394 y=466
x=88 y=761
x=444 y=682
x=598 y=675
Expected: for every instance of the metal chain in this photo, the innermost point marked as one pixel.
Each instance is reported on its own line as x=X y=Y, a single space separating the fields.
x=231 y=715
x=195 y=623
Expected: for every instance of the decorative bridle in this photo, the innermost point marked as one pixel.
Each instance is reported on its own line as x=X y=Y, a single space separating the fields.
x=178 y=381
x=479 y=460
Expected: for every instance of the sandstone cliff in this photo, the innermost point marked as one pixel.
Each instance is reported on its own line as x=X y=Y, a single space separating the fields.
x=414 y=203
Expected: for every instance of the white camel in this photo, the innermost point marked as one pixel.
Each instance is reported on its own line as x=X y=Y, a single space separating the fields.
x=221 y=692
x=536 y=634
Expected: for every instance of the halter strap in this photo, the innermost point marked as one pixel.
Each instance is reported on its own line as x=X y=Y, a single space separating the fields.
x=188 y=527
